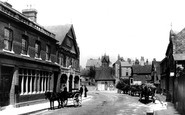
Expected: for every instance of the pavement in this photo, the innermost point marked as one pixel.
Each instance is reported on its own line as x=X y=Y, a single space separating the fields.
x=25 y=110
x=161 y=107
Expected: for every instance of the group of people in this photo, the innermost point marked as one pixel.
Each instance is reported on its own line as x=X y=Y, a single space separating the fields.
x=85 y=90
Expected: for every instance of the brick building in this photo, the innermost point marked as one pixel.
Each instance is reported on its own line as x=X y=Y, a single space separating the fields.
x=68 y=54
x=27 y=57
x=32 y=59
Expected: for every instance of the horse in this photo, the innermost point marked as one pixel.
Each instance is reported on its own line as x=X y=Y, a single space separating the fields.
x=135 y=90
x=53 y=96
x=63 y=97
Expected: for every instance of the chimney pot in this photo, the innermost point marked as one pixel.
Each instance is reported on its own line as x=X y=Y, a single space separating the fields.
x=30 y=13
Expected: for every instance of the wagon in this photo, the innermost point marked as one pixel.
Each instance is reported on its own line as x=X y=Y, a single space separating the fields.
x=74 y=96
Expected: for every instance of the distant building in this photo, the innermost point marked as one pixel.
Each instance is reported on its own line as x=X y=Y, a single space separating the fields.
x=156 y=74
x=126 y=70
x=141 y=72
x=95 y=63
x=104 y=77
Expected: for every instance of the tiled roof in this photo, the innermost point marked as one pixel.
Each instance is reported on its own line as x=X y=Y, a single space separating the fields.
x=93 y=62
x=142 y=78
x=104 y=74
x=179 y=42
x=60 y=31
x=138 y=69
x=179 y=57
x=84 y=72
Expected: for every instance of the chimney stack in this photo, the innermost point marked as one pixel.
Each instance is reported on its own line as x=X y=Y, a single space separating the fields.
x=30 y=13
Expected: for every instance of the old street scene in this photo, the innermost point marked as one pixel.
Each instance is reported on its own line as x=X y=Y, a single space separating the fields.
x=92 y=57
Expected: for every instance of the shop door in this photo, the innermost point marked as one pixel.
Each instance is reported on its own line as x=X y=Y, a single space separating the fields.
x=5 y=85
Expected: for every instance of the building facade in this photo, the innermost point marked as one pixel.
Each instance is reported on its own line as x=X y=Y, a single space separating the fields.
x=173 y=71
x=141 y=72
x=33 y=59
x=68 y=54
x=27 y=58
x=156 y=74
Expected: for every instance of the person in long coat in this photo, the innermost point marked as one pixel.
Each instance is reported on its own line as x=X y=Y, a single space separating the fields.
x=81 y=90
x=86 y=90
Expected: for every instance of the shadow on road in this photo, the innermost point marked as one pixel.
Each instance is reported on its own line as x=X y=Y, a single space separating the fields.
x=144 y=101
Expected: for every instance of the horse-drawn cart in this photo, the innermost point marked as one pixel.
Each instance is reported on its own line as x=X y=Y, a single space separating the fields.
x=73 y=96
x=64 y=97
x=147 y=90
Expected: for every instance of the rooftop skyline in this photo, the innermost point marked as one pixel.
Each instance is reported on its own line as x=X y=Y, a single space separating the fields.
x=129 y=28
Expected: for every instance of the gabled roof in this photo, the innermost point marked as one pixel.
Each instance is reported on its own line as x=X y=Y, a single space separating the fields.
x=60 y=31
x=104 y=74
x=138 y=69
x=93 y=63
x=157 y=65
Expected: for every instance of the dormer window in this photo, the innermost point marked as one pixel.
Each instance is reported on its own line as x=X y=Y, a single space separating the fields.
x=8 y=38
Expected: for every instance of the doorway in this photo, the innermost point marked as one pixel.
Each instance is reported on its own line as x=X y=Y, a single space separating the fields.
x=5 y=85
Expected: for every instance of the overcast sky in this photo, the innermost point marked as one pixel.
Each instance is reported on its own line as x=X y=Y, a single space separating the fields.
x=131 y=28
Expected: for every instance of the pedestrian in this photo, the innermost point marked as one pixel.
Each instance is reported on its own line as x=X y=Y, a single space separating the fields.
x=81 y=90
x=86 y=90
x=65 y=92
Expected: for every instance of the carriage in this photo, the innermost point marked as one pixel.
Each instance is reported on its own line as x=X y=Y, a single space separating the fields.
x=63 y=98
x=74 y=96
x=148 y=92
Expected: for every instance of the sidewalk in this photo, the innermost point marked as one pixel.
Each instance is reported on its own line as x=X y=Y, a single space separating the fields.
x=161 y=107
x=36 y=107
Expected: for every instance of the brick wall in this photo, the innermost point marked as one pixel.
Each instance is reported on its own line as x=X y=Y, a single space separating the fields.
x=33 y=36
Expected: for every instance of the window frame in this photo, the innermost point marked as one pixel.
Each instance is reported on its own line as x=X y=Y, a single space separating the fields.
x=48 y=52
x=24 y=48
x=8 y=39
x=38 y=51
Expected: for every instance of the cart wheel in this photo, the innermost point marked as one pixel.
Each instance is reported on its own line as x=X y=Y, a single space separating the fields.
x=65 y=102
x=77 y=99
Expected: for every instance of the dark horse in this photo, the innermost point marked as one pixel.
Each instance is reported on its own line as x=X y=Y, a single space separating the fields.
x=53 y=96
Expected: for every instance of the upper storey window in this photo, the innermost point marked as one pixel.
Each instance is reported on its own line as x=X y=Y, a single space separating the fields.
x=24 y=45
x=37 y=49
x=8 y=38
x=48 y=52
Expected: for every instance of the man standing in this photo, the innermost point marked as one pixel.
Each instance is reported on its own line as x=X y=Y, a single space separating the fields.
x=81 y=90
x=86 y=90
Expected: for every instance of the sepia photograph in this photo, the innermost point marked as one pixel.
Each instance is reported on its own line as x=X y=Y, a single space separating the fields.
x=92 y=57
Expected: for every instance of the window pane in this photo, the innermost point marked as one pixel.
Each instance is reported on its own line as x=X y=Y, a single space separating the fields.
x=6 y=44
x=7 y=39
x=37 y=50
x=24 y=45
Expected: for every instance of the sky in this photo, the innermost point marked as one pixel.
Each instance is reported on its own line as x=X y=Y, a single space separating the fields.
x=130 y=28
